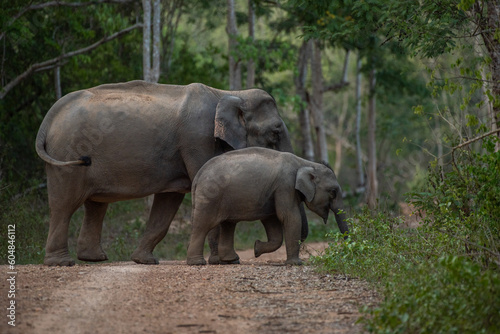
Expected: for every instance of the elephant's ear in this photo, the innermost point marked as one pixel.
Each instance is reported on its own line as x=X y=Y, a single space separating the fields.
x=304 y=182
x=229 y=122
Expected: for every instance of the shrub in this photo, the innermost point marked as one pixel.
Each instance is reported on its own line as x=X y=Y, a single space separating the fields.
x=463 y=201
x=451 y=295
x=443 y=276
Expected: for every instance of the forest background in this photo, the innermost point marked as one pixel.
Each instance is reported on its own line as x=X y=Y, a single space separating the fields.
x=402 y=98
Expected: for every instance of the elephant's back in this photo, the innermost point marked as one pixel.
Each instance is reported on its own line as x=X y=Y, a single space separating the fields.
x=241 y=168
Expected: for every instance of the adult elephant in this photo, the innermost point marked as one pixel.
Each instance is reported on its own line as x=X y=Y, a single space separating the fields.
x=129 y=140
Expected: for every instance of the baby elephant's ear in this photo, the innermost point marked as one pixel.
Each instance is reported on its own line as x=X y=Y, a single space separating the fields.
x=304 y=182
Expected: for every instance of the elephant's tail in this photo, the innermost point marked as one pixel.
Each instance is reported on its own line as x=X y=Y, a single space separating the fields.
x=42 y=152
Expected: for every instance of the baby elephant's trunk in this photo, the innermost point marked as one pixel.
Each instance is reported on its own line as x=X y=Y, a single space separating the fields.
x=337 y=207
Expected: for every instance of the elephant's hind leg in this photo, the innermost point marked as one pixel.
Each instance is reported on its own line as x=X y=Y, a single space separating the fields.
x=165 y=205
x=56 y=249
x=89 y=241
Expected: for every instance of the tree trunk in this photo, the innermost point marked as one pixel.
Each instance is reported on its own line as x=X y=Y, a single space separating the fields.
x=57 y=82
x=490 y=27
x=173 y=11
x=340 y=133
x=146 y=40
x=340 y=128
x=300 y=89
x=372 y=152
x=155 y=70
x=151 y=74
x=234 y=64
x=251 y=35
x=317 y=102
x=360 y=169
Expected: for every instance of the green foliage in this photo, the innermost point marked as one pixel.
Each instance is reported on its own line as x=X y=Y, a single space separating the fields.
x=439 y=277
x=450 y=295
x=28 y=213
x=427 y=287
x=464 y=202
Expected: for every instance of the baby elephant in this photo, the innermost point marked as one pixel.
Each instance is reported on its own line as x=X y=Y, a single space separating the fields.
x=260 y=184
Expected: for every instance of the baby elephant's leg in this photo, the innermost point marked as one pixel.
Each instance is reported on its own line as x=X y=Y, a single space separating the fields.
x=199 y=232
x=227 y=254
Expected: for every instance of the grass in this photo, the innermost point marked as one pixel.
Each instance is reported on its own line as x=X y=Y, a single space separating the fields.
x=429 y=282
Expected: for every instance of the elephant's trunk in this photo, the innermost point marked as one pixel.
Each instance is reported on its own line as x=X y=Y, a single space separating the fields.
x=285 y=144
x=337 y=207
x=304 y=232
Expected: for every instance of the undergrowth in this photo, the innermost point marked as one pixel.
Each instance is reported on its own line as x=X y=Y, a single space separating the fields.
x=442 y=276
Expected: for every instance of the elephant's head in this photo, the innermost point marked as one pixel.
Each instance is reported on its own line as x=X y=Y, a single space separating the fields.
x=251 y=120
x=322 y=192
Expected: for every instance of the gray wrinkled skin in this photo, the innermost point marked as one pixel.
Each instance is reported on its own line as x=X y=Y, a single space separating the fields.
x=260 y=184
x=129 y=140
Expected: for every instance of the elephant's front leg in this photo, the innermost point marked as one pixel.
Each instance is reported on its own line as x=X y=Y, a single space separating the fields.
x=227 y=253
x=274 y=232
x=292 y=226
x=165 y=205
x=89 y=241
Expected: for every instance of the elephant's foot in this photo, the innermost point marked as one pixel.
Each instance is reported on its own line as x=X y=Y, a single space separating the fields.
x=214 y=259
x=294 y=261
x=93 y=254
x=196 y=261
x=234 y=260
x=261 y=247
x=58 y=259
x=143 y=257
x=237 y=261
x=257 y=248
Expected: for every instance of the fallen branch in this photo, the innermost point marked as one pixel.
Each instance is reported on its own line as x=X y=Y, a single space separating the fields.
x=48 y=64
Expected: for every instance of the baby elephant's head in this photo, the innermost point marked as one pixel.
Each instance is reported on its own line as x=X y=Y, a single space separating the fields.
x=322 y=192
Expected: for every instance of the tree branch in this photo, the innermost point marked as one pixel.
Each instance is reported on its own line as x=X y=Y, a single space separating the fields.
x=335 y=87
x=48 y=64
x=58 y=3
x=475 y=139
x=343 y=82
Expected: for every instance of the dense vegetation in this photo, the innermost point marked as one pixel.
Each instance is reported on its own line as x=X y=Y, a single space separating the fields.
x=428 y=131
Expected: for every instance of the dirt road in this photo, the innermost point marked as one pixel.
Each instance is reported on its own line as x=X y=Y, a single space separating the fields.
x=259 y=296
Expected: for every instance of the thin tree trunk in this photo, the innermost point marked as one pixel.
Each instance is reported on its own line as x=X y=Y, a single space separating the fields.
x=360 y=169
x=341 y=129
x=155 y=71
x=234 y=64
x=146 y=40
x=173 y=11
x=251 y=35
x=439 y=141
x=300 y=89
x=489 y=30
x=57 y=82
x=372 y=152
x=317 y=102
x=151 y=51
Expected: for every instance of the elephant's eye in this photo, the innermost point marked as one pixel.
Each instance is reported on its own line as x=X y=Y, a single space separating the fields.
x=333 y=193
x=277 y=128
